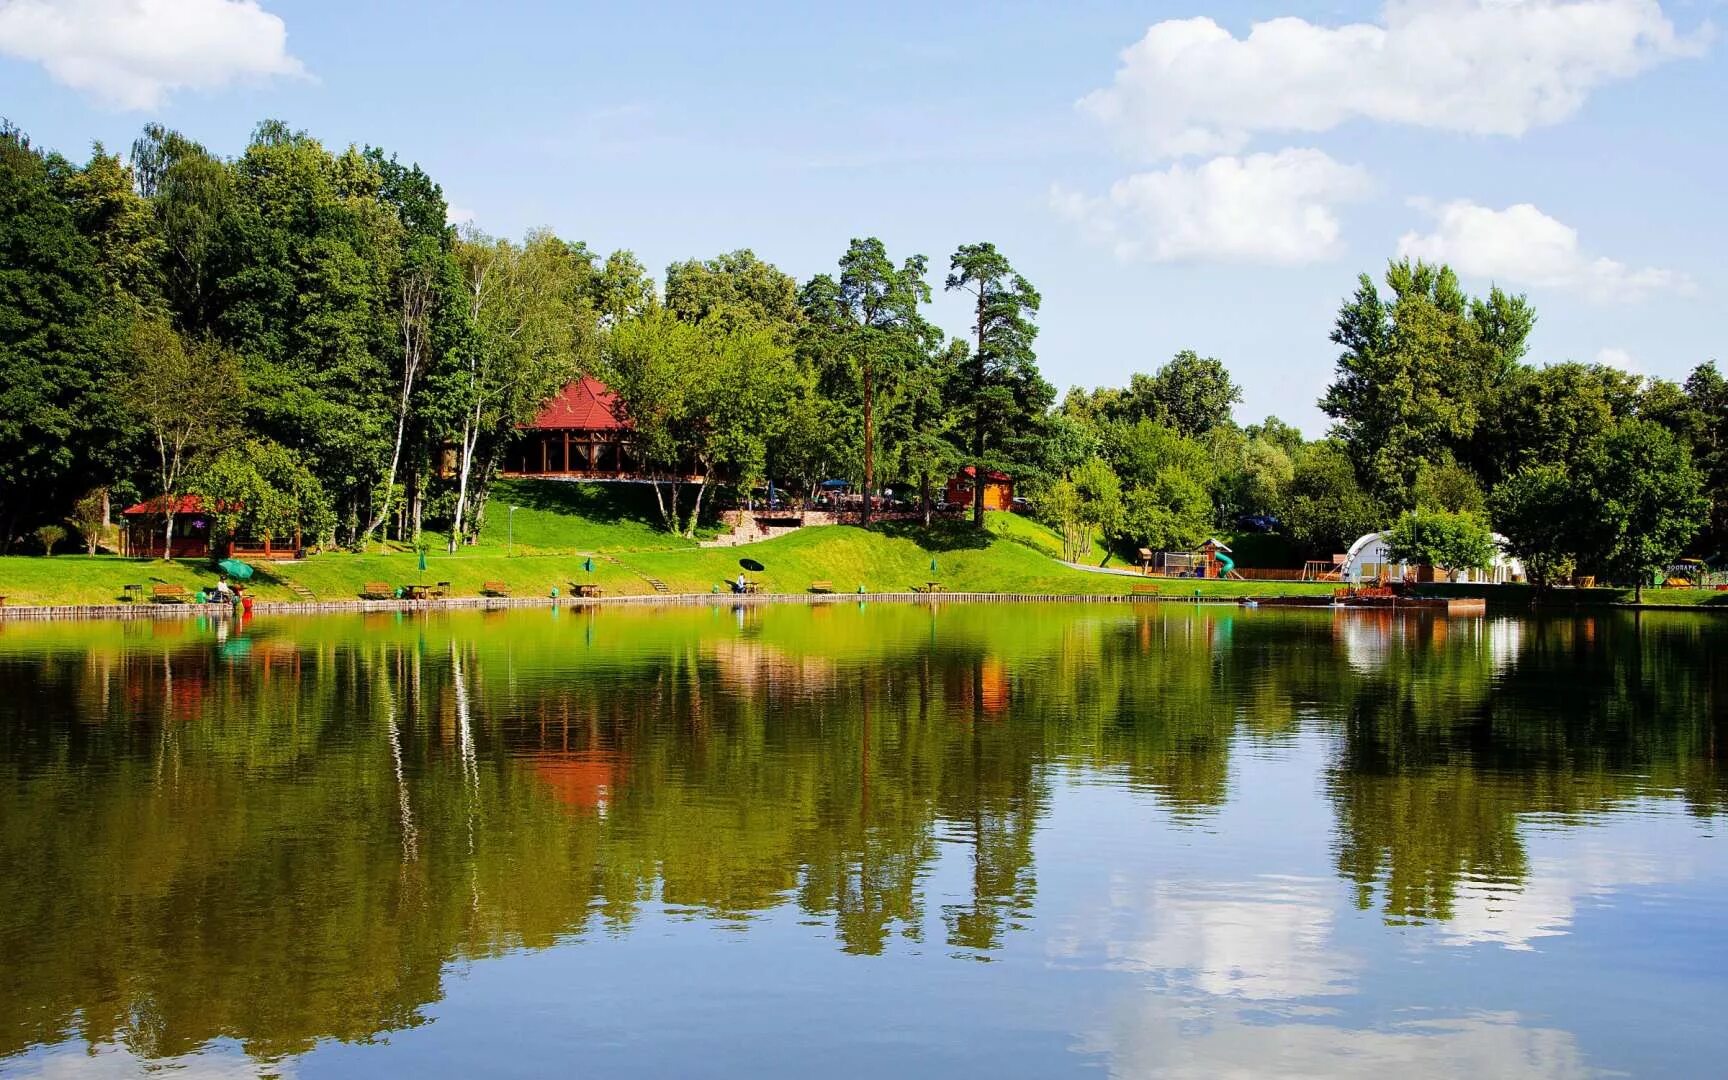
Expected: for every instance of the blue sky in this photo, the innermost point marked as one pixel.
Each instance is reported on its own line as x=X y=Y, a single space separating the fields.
x=1217 y=189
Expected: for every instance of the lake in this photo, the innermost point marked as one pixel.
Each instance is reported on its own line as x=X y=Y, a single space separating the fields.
x=865 y=840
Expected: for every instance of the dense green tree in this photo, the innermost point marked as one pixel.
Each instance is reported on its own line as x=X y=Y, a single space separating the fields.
x=736 y=287
x=524 y=306
x=192 y=195
x=867 y=319
x=52 y=366
x=186 y=394
x=1707 y=392
x=1450 y=540
x=264 y=492
x=1418 y=370
x=1543 y=515
x=1273 y=430
x=1000 y=396
x=1448 y=486
x=1171 y=513
x=1192 y=394
x=919 y=422
x=1550 y=414
x=1328 y=508
x=1648 y=499
x=622 y=289
x=705 y=401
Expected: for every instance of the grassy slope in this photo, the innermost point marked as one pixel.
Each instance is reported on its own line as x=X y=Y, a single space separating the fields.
x=560 y=523
x=562 y=518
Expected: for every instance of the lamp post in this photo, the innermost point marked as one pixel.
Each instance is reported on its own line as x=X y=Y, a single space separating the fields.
x=510 y=532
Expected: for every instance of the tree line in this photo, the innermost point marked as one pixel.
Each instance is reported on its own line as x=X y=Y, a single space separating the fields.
x=1442 y=432
x=300 y=337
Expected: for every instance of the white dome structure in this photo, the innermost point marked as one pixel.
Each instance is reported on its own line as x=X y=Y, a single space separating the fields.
x=1368 y=560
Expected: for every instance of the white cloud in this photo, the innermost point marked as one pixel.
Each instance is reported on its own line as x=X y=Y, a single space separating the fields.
x=132 y=53
x=458 y=215
x=1487 y=67
x=1524 y=246
x=1263 y=208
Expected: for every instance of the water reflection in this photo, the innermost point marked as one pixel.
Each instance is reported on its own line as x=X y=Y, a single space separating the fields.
x=254 y=843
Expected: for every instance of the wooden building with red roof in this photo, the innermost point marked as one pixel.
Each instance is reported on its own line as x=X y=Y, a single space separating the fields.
x=998 y=489
x=580 y=434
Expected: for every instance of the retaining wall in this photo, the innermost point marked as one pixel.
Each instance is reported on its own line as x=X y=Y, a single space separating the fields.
x=496 y=603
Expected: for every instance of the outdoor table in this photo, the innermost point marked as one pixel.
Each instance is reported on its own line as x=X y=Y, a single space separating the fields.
x=416 y=592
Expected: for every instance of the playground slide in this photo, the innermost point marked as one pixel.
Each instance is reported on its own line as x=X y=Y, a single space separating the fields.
x=1226 y=565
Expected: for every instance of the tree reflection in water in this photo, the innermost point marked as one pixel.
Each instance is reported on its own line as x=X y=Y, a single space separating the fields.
x=287 y=836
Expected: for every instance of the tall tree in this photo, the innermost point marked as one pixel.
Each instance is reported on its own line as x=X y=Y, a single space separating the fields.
x=702 y=401
x=61 y=331
x=1707 y=392
x=1191 y=393
x=736 y=287
x=191 y=193
x=523 y=307
x=1543 y=515
x=1001 y=393
x=426 y=301
x=184 y=393
x=870 y=315
x=1417 y=371
x=1648 y=498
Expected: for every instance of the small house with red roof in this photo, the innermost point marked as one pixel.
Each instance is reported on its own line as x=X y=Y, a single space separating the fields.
x=194 y=533
x=580 y=434
x=998 y=489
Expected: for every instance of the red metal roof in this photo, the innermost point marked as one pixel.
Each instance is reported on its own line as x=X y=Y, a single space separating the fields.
x=584 y=405
x=993 y=476
x=185 y=504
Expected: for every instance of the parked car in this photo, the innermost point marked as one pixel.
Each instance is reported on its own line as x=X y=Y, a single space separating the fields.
x=1019 y=505
x=1262 y=523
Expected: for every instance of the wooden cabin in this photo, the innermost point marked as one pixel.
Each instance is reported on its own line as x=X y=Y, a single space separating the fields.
x=194 y=534
x=998 y=489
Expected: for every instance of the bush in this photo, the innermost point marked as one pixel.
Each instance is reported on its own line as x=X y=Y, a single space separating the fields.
x=48 y=536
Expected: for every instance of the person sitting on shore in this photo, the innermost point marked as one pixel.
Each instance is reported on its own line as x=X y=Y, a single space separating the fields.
x=223 y=591
x=738 y=586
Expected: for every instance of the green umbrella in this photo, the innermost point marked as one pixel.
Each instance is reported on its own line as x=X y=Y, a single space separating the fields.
x=422 y=560
x=234 y=568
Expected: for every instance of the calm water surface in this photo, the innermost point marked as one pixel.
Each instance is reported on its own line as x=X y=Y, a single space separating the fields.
x=908 y=840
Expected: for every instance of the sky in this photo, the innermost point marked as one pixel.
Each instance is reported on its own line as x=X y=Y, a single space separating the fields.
x=1169 y=176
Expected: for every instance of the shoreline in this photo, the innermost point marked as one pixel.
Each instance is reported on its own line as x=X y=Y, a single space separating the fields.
x=151 y=611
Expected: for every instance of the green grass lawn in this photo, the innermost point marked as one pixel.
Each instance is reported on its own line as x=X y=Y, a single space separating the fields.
x=559 y=524
x=558 y=518
x=101 y=579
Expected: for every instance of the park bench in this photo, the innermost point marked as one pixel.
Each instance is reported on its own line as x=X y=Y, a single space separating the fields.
x=930 y=587
x=821 y=586
x=169 y=594
x=377 y=590
x=584 y=588
x=494 y=588
x=1145 y=590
